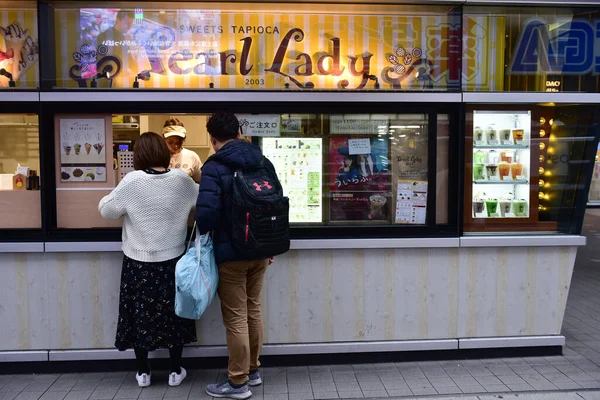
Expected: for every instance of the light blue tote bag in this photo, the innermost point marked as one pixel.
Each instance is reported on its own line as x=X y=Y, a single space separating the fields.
x=196 y=278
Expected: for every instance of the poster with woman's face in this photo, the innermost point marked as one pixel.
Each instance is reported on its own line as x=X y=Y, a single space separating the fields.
x=358 y=164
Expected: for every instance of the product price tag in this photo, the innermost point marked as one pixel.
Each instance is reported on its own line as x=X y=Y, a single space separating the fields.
x=521 y=178
x=509 y=215
x=493 y=178
x=494 y=215
x=480 y=215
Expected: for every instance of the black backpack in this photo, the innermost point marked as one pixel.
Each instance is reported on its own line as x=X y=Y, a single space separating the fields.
x=260 y=215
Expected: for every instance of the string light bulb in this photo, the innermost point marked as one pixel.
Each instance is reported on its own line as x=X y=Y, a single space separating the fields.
x=541 y=195
x=542 y=146
x=542 y=182
x=542 y=133
x=551 y=122
x=542 y=120
x=542 y=158
x=541 y=170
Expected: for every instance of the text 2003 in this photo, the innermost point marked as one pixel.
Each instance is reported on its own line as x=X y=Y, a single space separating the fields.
x=255 y=81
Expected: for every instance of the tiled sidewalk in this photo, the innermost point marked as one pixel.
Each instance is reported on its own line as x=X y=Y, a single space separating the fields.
x=577 y=369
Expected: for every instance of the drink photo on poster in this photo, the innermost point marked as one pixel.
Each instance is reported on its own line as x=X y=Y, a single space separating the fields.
x=357 y=164
x=359 y=206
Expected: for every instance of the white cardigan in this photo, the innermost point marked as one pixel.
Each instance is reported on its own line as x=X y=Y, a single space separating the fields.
x=156 y=209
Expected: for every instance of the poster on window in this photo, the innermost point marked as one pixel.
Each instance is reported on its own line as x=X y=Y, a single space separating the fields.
x=82 y=141
x=19 y=48
x=357 y=164
x=359 y=206
x=411 y=202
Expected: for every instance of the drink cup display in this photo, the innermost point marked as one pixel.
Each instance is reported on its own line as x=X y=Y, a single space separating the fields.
x=517 y=170
x=492 y=207
x=491 y=171
x=77 y=148
x=507 y=156
x=67 y=149
x=480 y=157
x=478 y=207
x=88 y=148
x=505 y=206
x=518 y=135
x=506 y=136
x=478 y=172
x=491 y=135
x=520 y=208
x=378 y=203
x=493 y=157
x=478 y=135
x=504 y=170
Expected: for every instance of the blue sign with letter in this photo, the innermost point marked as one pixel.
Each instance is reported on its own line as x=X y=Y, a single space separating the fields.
x=567 y=49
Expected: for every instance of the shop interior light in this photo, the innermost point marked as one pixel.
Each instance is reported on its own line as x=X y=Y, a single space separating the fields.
x=541 y=195
x=542 y=133
x=142 y=76
x=542 y=146
x=542 y=158
x=542 y=120
x=542 y=182
x=541 y=170
x=373 y=78
x=105 y=75
x=7 y=74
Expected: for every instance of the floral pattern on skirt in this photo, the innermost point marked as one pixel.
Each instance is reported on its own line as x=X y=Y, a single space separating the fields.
x=147 y=317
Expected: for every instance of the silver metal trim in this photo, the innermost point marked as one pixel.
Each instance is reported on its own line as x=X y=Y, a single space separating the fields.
x=19 y=96
x=23 y=356
x=80 y=247
x=268 y=350
x=35 y=247
x=520 y=341
x=229 y=96
x=529 y=97
x=322 y=244
x=522 y=241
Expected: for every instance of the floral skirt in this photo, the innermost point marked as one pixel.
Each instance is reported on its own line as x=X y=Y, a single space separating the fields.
x=147 y=317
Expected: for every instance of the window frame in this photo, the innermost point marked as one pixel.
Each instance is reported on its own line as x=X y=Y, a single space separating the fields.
x=451 y=229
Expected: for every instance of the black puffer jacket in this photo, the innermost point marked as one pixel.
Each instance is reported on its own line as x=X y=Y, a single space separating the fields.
x=214 y=204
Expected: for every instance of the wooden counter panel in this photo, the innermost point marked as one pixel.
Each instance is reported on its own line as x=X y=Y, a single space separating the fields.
x=20 y=209
x=78 y=209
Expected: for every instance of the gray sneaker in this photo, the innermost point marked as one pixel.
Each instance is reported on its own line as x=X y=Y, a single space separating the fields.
x=224 y=390
x=254 y=378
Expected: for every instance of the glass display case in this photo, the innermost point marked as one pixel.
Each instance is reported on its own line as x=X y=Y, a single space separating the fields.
x=501 y=164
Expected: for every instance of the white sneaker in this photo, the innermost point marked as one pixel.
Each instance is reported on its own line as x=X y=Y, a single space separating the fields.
x=175 y=379
x=143 y=380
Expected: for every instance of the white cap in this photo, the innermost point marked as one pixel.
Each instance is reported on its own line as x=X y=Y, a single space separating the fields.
x=174 y=130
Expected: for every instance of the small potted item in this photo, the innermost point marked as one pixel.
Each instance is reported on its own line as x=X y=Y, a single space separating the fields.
x=480 y=157
x=506 y=136
x=520 y=208
x=506 y=205
x=492 y=207
x=504 y=170
x=518 y=136
x=491 y=171
x=478 y=204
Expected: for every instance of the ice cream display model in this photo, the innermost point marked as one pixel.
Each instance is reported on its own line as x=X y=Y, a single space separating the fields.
x=501 y=164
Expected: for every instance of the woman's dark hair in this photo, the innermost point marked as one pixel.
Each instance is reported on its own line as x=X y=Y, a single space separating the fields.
x=173 y=122
x=223 y=126
x=150 y=150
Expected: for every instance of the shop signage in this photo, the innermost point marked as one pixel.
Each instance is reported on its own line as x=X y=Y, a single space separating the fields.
x=260 y=124
x=194 y=49
x=566 y=49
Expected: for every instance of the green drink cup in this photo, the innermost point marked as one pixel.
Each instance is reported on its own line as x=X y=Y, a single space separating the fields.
x=492 y=207
x=478 y=172
x=520 y=208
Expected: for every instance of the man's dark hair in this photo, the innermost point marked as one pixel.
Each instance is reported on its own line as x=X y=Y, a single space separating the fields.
x=150 y=150
x=223 y=126
x=122 y=14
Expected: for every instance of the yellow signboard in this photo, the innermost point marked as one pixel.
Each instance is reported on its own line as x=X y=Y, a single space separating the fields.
x=226 y=50
x=19 y=48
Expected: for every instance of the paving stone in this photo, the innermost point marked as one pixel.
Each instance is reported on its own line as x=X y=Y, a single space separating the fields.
x=54 y=395
x=347 y=386
x=36 y=386
x=153 y=392
x=435 y=382
x=520 y=387
x=367 y=377
x=8 y=395
x=79 y=395
x=496 y=388
x=342 y=368
x=326 y=395
x=567 y=385
x=276 y=389
x=371 y=386
x=344 y=377
x=466 y=381
x=128 y=393
x=274 y=396
x=488 y=380
x=374 y=394
x=472 y=388
x=511 y=379
x=324 y=387
x=298 y=380
x=301 y=396
x=448 y=389
x=60 y=386
x=182 y=390
x=29 y=395
x=480 y=371
x=418 y=383
x=103 y=394
x=397 y=384
x=400 y=392
x=420 y=391
x=352 y=395
x=321 y=378
x=590 y=384
x=299 y=388
x=86 y=385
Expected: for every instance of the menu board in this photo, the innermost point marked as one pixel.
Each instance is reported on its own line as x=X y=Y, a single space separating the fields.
x=83 y=149
x=411 y=202
x=298 y=163
x=341 y=124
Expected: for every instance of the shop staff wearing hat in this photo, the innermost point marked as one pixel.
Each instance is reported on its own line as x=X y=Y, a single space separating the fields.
x=174 y=133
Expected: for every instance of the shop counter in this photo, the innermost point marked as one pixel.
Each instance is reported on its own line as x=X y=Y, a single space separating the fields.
x=324 y=296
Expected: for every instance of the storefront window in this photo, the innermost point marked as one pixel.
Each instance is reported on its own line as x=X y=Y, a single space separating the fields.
x=257 y=46
x=530 y=49
x=20 y=201
x=595 y=185
x=19 y=45
x=337 y=169
x=524 y=166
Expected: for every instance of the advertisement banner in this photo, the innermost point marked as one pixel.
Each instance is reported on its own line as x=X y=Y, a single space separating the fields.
x=220 y=49
x=19 y=48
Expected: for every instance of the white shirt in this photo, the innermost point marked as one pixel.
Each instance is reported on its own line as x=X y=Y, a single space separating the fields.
x=188 y=161
x=156 y=209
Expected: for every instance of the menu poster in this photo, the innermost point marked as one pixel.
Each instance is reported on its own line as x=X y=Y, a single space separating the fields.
x=359 y=164
x=82 y=141
x=83 y=174
x=359 y=206
x=259 y=125
x=298 y=163
x=291 y=124
x=411 y=202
